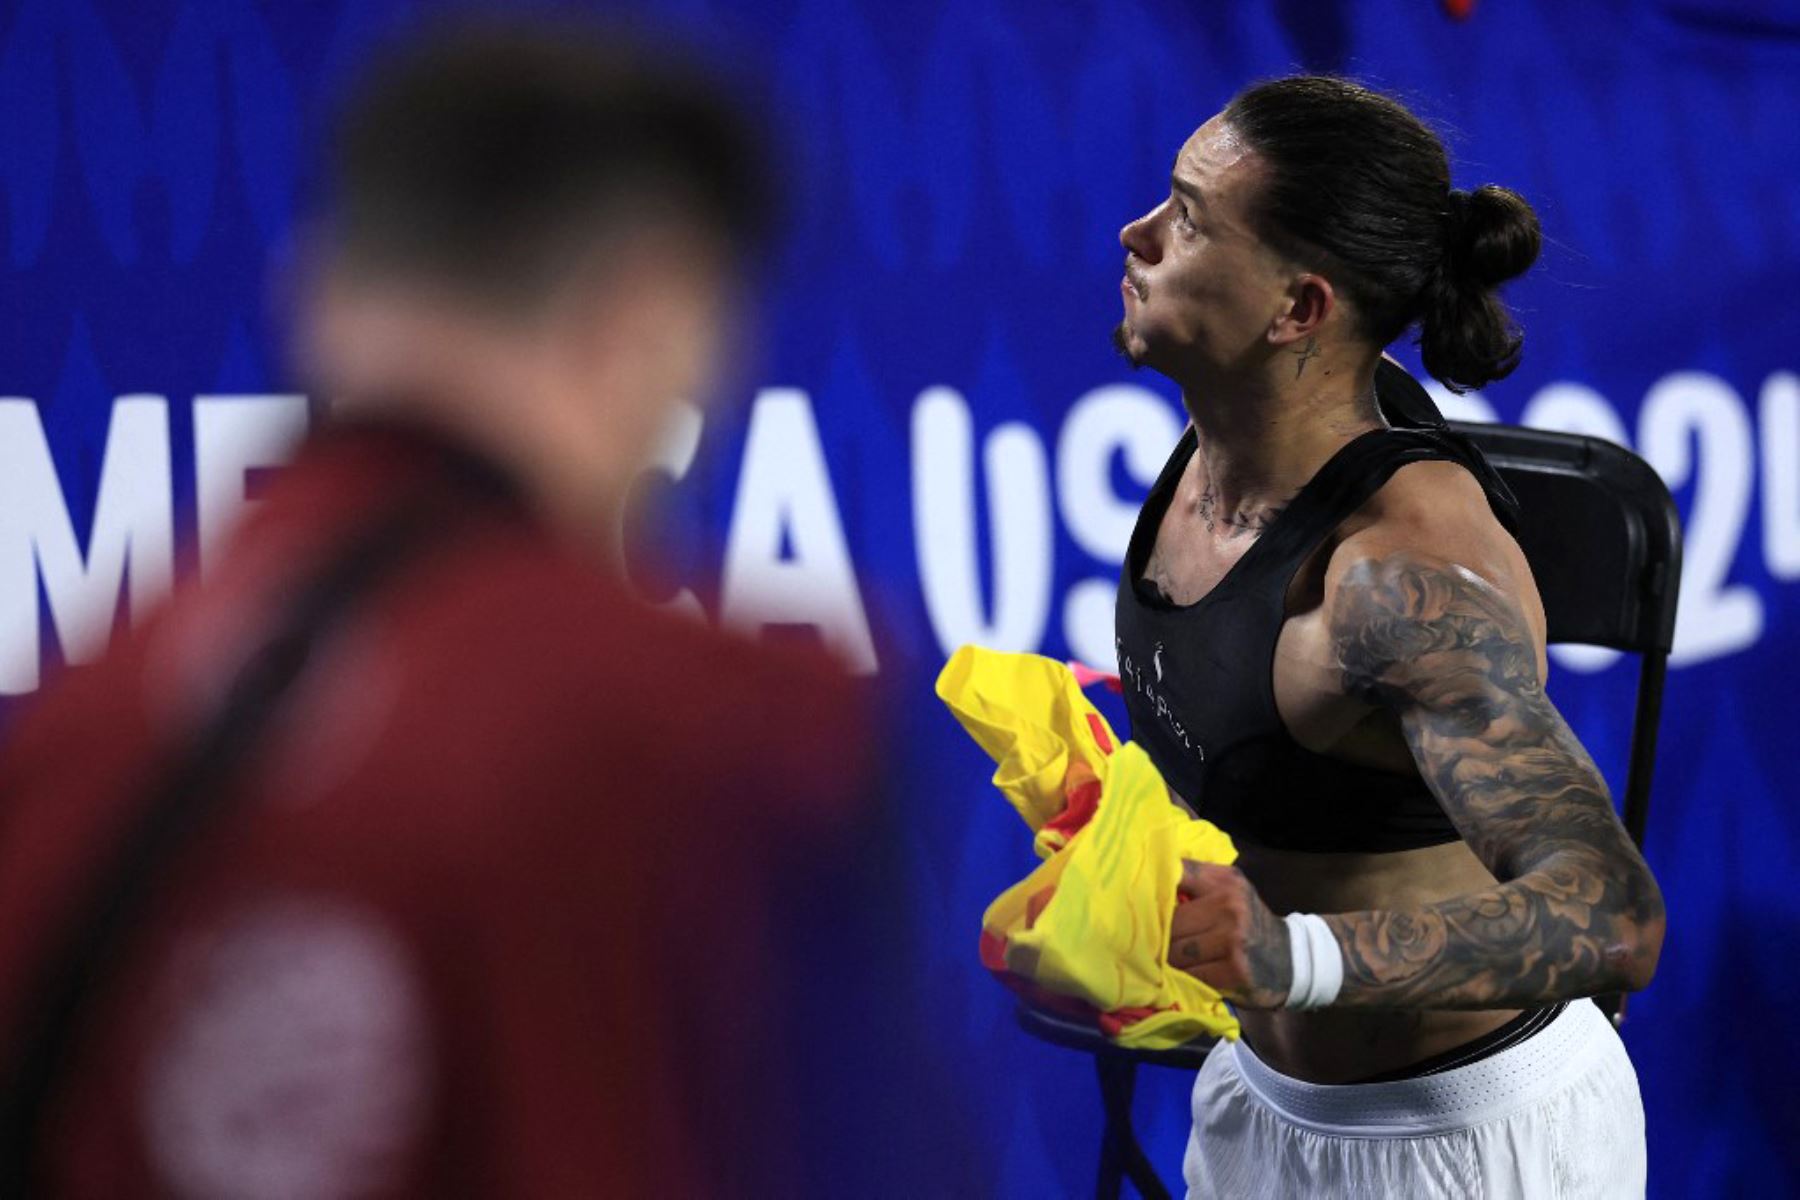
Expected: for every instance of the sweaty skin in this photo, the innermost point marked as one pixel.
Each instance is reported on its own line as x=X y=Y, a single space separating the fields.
x=1192 y=553
x=1414 y=642
x=1396 y=654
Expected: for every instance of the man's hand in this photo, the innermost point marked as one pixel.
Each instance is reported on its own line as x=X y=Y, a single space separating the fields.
x=1225 y=936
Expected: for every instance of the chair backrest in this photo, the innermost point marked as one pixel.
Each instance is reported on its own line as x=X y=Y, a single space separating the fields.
x=1600 y=531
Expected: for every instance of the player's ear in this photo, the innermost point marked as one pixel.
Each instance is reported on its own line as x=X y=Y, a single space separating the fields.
x=1310 y=300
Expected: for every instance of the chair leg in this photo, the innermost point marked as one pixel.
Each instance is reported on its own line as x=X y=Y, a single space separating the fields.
x=1120 y=1155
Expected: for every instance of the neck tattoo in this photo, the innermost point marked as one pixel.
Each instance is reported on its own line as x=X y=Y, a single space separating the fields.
x=1306 y=353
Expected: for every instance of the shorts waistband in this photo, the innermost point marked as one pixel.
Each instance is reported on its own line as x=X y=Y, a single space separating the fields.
x=1455 y=1099
x=1527 y=1024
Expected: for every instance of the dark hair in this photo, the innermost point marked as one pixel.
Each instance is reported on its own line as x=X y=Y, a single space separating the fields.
x=490 y=157
x=1359 y=189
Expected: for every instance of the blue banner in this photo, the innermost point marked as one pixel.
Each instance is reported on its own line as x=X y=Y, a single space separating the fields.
x=936 y=444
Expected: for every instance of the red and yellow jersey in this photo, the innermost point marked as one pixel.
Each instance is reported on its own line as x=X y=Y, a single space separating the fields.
x=1087 y=932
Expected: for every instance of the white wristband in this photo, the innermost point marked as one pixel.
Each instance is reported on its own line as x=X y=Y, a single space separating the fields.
x=1318 y=962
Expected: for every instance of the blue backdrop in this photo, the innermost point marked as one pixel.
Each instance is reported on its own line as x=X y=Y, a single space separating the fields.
x=935 y=443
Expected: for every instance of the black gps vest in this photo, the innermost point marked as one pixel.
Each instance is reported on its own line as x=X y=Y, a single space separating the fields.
x=1198 y=678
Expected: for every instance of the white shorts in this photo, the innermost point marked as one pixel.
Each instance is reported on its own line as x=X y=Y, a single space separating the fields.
x=1556 y=1116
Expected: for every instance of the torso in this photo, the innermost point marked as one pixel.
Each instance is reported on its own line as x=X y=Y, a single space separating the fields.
x=1333 y=1046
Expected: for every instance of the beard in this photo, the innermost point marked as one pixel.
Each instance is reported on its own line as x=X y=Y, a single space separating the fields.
x=1121 y=339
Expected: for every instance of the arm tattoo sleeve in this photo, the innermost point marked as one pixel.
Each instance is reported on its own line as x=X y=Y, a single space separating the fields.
x=1577 y=912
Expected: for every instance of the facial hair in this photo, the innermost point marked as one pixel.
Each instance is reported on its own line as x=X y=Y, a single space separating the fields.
x=1121 y=339
x=1122 y=332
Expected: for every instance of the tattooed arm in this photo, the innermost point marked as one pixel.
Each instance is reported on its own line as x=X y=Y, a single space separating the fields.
x=1576 y=912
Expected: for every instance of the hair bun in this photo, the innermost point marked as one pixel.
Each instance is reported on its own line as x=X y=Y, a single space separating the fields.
x=1493 y=236
x=1466 y=336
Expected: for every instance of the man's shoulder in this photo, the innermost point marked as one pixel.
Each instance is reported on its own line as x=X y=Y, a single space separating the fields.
x=529 y=598
x=1428 y=503
x=1435 y=508
x=554 y=635
x=1430 y=525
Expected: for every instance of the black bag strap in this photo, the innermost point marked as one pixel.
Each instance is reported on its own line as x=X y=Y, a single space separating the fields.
x=192 y=791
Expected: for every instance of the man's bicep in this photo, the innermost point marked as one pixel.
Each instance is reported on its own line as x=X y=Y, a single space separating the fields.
x=1453 y=656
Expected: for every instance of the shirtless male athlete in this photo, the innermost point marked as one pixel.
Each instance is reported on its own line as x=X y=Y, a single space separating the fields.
x=1333 y=648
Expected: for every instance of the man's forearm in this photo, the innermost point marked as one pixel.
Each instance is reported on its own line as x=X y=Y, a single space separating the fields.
x=1560 y=931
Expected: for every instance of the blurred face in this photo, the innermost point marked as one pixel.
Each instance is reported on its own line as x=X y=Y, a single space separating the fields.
x=1200 y=288
x=574 y=390
x=653 y=332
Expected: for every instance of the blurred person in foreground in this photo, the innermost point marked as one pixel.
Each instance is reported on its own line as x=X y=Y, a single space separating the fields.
x=407 y=854
x=1334 y=649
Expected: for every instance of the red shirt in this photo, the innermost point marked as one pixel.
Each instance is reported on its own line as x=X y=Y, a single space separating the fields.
x=490 y=916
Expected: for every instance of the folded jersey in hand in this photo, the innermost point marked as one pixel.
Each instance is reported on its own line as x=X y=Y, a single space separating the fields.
x=1087 y=932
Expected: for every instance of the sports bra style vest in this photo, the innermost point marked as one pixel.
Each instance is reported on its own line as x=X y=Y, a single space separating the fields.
x=1198 y=679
